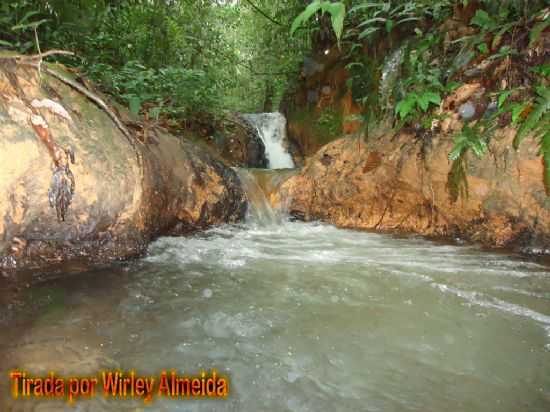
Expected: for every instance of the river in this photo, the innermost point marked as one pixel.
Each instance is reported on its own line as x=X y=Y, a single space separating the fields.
x=299 y=317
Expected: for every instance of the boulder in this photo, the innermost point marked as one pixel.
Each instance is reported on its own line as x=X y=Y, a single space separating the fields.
x=117 y=195
x=400 y=184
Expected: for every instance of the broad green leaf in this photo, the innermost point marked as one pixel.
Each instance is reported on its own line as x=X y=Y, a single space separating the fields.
x=433 y=97
x=502 y=97
x=482 y=19
x=304 y=16
x=337 y=13
x=389 y=25
x=405 y=106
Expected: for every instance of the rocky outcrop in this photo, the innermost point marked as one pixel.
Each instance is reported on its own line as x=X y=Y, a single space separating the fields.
x=400 y=184
x=125 y=192
x=238 y=143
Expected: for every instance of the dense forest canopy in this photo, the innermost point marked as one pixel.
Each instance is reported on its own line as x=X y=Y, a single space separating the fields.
x=167 y=56
x=178 y=59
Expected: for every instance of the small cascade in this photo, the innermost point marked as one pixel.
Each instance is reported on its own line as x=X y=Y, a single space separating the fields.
x=391 y=72
x=271 y=128
x=259 y=210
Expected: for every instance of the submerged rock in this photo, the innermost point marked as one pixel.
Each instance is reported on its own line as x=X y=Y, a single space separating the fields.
x=122 y=193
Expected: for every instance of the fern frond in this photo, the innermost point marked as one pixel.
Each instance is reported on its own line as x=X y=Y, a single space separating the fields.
x=545 y=153
x=540 y=108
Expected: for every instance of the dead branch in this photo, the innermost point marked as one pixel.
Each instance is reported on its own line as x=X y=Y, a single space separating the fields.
x=38 y=56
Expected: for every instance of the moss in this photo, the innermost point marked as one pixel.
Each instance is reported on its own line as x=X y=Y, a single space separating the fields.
x=323 y=127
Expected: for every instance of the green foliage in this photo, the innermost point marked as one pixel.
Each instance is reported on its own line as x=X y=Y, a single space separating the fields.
x=376 y=17
x=336 y=10
x=474 y=138
x=538 y=120
x=416 y=102
x=469 y=138
x=330 y=121
x=173 y=58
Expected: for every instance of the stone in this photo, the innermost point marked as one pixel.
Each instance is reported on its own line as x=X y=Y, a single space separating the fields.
x=405 y=190
x=126 y=192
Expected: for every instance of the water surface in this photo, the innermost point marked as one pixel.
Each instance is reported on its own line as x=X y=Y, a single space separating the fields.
x=301 y=317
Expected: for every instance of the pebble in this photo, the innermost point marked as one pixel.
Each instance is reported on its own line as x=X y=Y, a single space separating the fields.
x=467 y=110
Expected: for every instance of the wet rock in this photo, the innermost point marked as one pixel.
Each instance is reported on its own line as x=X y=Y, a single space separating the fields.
x=239 y=143
x=126 y=192
x=405 y=190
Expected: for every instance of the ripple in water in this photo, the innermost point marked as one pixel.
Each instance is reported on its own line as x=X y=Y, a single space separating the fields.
x=306 y=317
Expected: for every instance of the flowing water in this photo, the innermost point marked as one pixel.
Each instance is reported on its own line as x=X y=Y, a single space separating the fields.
x=299 y=317
x=271 y=128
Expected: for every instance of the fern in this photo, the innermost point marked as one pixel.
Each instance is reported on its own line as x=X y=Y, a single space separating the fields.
x=545 y=152
x=538 y=123
x=469 y=138
x=533 y=123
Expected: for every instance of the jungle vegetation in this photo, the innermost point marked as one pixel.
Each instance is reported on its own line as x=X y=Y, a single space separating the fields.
x=180 y=59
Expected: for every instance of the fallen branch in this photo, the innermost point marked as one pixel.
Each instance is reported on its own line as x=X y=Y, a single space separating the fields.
x=36 y=56
x=96 y=99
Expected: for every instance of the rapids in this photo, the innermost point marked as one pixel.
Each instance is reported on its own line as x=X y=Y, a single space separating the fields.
x=299 y=317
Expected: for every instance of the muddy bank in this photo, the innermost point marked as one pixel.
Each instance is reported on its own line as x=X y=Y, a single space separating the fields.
x=114 y=196
x=400 y=184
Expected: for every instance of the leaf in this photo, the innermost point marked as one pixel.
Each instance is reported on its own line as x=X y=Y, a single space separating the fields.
x=27 y=16
x=457 y=150
x=304 y=16
x=543 y=69
x=389 y=25
x=545 y=152
x=541 y=107
x=367 y=31
x=370 y=21
x=482 y=19
x=537 y=30
x=34 y=24
x=502 y=97
x=433 y=97
x=405 y=106
x=483 y=48
x=134 y=103
x=5 y=43
x=337 y=13
x=517 y=110
x=479 y=147
x=365 y=6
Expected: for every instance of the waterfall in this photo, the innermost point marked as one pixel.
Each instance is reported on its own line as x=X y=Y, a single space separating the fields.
x=271 y=128
x=259 y=210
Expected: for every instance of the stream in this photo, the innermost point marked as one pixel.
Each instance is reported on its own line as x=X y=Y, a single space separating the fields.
x=299 y=317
